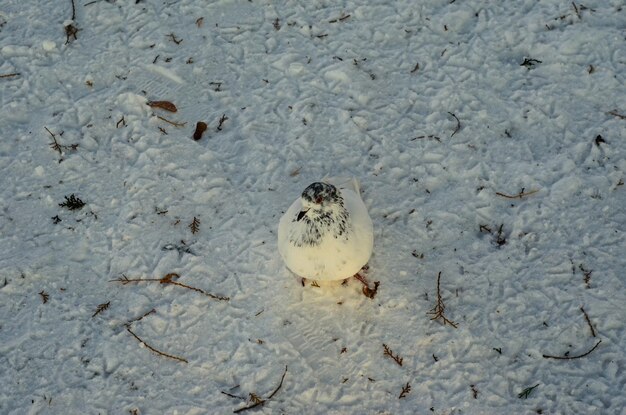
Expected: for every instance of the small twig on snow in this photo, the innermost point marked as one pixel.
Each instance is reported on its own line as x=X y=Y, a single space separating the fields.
x=142 y=316
x=340 y=19
x=593 y=332
x=474 y=391
x=180 y=359
x=194 y=225
x=168 y=279
x=10 y=75
x=389 y=352
x=439 y=309
x=530 y=62
x=175 y=124
x=258 y=401
x=44 y=296
x=500 y=239
x=72 y=202
x=125 y=280
x=405 y=390
x=59 y=147
x=520 y=195
x=173 y=38
x=586 y=275
x=547 y=356
x=599 y=140
x=233 y=396
x=458 y=124
x=215 y=297
x=221 y=122
x=70 y=30
x=576 y=10
x=617 y=114
x=55 y=145
x=101 y=308
x=419 y=137
x=526 y=392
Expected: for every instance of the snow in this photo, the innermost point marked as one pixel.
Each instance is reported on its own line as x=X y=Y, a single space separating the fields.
x=312 y=89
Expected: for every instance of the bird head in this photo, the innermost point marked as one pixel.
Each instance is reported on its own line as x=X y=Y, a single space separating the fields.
x=317 y=198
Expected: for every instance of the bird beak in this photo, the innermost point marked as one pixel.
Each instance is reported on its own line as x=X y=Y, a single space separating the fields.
x=301 y=214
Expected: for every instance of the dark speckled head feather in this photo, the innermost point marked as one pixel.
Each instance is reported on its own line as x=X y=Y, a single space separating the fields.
x=323 y=213
x=319 y=193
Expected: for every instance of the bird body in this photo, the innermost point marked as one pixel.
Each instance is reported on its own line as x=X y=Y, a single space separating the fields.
x=326 y=234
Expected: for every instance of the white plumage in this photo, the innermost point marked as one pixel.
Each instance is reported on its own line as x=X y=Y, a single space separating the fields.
x=326 y=234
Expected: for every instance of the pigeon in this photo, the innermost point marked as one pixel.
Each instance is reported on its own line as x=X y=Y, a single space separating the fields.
x=327 y=234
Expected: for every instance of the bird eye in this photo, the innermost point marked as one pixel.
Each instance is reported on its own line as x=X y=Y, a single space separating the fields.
x=318 y=200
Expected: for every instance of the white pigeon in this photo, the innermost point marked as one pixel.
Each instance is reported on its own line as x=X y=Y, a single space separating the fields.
x=327 y=234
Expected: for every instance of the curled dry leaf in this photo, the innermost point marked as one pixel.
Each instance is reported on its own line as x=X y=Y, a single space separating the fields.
x=200 y=129
x=164 y=105
x=169 y=278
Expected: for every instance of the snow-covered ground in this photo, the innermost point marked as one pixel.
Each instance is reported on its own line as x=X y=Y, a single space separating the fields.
x=442 y=109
